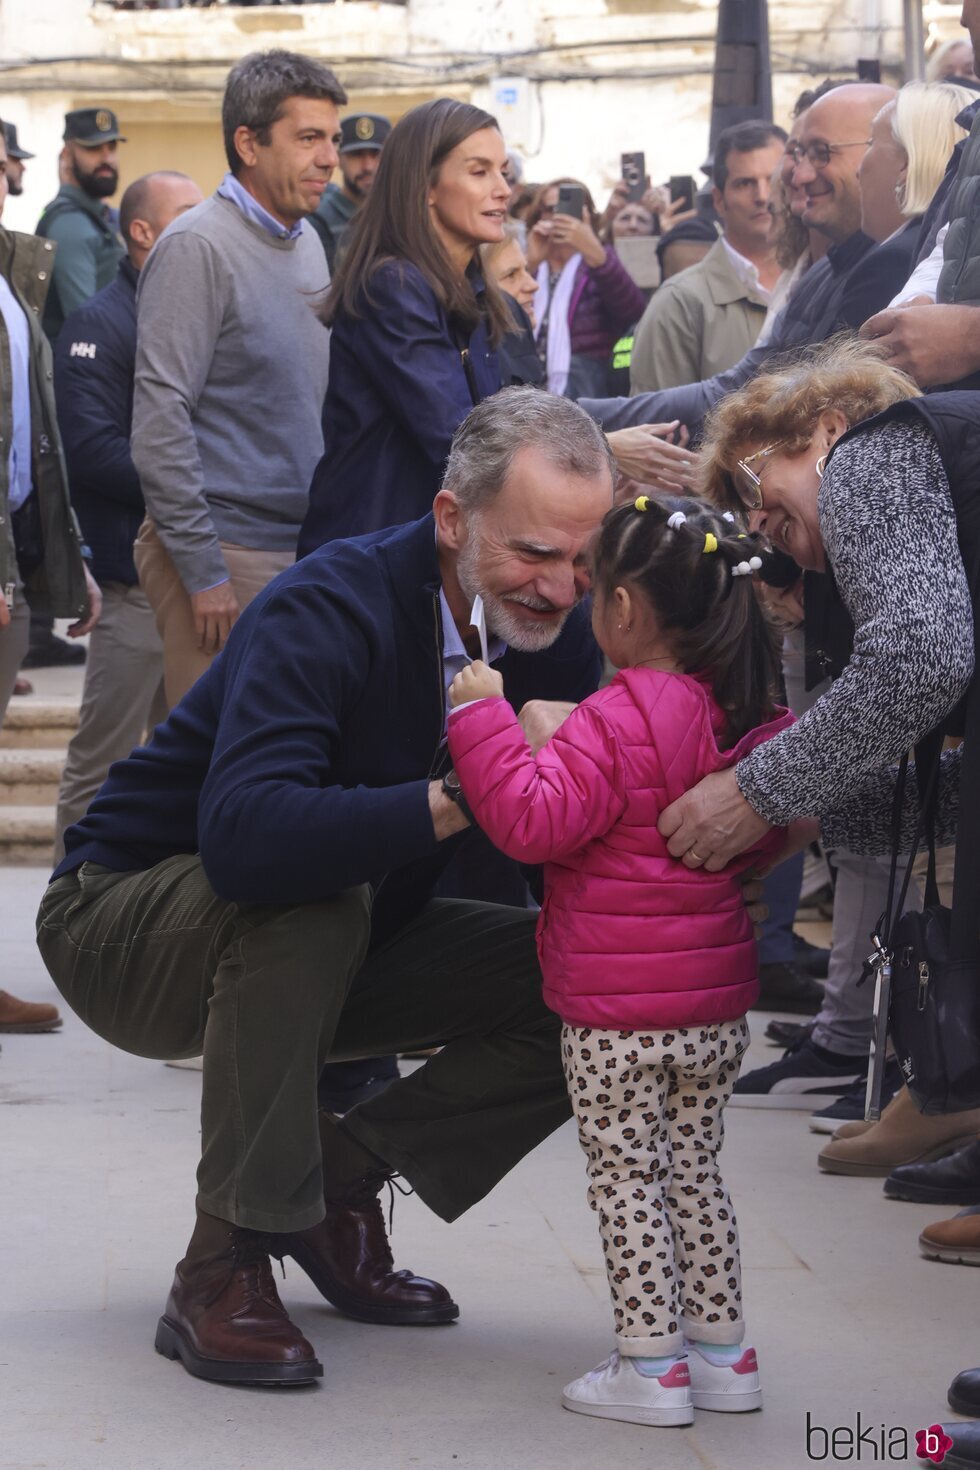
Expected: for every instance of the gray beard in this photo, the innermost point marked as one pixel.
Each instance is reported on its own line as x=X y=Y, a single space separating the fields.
x=522 y=636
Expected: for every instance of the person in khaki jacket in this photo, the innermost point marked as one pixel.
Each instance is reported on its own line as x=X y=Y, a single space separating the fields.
x=41 y=563
x=703 y=320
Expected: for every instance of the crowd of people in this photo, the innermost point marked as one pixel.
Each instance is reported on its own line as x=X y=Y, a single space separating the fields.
x=470 y=625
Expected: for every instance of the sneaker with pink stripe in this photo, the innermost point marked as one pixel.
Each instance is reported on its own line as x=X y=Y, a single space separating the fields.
x=726 y=1388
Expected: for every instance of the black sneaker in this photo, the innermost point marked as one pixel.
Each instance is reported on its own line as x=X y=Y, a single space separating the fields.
x=788 y=1033
x=788 y=988
x=849 y=1107
x=806 y=1075
x=810 y=957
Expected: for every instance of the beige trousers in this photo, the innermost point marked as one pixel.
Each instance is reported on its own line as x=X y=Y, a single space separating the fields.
x=121 y=699
x=183 y=661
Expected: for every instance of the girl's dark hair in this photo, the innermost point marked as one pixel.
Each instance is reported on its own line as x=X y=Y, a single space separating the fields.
x=714 y=620
x=395 y=221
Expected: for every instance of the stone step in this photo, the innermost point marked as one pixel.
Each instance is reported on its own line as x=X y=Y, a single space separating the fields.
x=27 y=835
x=36 y=724
x=30 y=777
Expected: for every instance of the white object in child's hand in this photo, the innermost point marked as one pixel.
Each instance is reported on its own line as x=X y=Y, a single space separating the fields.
x=478 y=620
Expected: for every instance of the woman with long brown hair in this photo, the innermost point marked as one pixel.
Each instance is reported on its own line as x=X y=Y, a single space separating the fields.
x=415 y=327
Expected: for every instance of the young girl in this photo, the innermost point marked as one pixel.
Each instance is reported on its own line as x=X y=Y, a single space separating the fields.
x=651 y=964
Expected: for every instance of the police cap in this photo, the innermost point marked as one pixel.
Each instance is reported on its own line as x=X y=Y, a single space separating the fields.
x=14 y=150
x=364 y=130
x=92 y=126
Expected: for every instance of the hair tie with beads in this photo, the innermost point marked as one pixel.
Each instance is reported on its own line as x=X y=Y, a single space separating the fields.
x=726 y=515
x=710 y=543
x=746 y=568
x=642 y=502
x=676 y=520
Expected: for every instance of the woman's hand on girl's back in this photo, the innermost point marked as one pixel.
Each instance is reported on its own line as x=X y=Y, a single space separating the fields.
x=646 y=453
x=711 y=823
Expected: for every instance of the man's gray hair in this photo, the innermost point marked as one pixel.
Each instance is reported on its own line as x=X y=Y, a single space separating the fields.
x=487 y=441
x=260 y=85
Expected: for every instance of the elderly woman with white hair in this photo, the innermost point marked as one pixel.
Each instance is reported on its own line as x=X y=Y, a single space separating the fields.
x=912 y=138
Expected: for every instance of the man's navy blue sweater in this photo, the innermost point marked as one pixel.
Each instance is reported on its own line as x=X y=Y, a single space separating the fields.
x=298 y=765
x=94 y=364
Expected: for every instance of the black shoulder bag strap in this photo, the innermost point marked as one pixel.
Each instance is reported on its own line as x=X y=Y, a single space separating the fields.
x=927 y=754
x=965 y=923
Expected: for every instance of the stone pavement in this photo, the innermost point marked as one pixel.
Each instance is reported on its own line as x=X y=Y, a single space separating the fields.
x=96 y=1189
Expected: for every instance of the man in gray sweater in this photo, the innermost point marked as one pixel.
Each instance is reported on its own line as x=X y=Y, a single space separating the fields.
x=231 y=365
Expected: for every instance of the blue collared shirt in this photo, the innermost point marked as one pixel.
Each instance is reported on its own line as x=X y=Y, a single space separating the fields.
x=230 y=188
x=19 y=452
x=454 y=655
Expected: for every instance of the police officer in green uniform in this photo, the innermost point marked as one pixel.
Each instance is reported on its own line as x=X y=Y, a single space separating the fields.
x=16 y=159
x=363 y=135
x=78 y=218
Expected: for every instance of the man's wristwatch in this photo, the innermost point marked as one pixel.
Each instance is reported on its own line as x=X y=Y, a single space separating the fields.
x=452 y=789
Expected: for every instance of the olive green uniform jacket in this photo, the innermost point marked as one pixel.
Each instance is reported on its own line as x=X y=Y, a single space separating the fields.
x=57 y=587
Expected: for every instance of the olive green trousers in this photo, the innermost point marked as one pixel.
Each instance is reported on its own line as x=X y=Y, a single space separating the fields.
x=158 y=965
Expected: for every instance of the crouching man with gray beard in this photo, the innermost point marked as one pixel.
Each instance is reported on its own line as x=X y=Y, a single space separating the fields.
x=257 y=884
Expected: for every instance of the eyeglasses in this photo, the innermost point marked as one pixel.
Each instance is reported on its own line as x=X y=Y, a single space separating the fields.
x=818 y=155
x=751 y=494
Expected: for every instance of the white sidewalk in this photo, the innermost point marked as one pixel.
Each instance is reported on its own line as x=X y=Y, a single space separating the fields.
x=96 y=1202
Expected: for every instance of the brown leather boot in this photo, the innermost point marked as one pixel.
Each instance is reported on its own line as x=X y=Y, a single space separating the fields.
x=26 y=1015
x=347 y=1256
x=224 y=1319
x=956 y=1241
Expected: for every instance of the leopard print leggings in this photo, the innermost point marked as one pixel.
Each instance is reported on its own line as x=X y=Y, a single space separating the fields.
x=649 y=1111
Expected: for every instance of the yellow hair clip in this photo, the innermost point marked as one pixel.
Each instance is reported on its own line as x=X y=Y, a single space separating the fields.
x=642 y=502
x=710 y=543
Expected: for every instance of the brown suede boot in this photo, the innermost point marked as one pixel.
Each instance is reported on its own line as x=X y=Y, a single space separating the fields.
x=347 y=1256
x=26 y=1015
x=902 y=1135
x=852 y=1130
x=956 y=1241
x=224 y=1319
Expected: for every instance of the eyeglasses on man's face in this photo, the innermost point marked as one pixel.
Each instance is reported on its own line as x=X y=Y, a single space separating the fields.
x=818 y=155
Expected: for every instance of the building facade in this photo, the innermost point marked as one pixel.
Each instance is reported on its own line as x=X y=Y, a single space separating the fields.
x=575 y=83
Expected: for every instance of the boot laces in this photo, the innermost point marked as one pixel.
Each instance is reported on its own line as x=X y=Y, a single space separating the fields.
x=252 y=1249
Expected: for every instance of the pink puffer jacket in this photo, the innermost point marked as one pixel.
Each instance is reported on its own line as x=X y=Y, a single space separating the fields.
x=628 y=936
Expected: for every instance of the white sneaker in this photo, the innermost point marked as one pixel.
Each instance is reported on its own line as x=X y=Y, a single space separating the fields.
x=617 y=1390
x=727 y=1388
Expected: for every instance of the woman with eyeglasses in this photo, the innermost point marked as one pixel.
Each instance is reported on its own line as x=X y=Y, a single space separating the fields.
x=842 y=463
